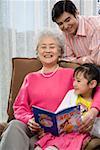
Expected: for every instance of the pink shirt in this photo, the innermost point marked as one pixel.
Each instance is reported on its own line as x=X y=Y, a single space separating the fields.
x=85 y=45
x=43 y=92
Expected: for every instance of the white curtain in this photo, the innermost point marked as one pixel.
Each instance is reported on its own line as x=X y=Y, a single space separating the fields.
x=20 y=22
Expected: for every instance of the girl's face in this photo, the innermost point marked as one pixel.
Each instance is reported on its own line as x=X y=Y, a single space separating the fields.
x=48 y=50
x=81 y=84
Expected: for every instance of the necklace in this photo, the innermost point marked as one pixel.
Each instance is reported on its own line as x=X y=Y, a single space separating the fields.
x=50 y=74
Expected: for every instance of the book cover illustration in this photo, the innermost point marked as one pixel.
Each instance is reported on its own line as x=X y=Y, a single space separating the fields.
x=66 y=120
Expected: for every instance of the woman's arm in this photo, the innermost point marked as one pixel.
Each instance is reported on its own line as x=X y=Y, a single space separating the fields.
x=96 y=99
x=90 y=116
x=22 y=110
x=88 y=120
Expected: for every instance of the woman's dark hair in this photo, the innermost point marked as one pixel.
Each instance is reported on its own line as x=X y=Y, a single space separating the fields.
x=90 y=72
x=63 y=6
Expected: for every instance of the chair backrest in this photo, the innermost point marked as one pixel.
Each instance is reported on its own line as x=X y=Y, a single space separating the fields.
x=21 y=67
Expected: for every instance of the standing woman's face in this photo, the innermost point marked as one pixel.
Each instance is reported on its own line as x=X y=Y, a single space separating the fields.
x=68 y=23
x=48 y=50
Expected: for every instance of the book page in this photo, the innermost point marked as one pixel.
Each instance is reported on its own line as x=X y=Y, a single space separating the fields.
x=69 y=120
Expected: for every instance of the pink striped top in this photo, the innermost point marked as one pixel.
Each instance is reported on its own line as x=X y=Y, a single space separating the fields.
x=85 y=45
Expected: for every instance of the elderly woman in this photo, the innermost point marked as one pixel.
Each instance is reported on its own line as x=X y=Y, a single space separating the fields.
x=45 y=88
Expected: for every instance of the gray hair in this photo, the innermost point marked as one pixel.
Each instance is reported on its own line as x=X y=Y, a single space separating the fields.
x=57 y=35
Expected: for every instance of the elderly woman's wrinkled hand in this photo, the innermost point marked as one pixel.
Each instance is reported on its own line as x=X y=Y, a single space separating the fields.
x=41 y=133
x=33 y=126
x=88 y=120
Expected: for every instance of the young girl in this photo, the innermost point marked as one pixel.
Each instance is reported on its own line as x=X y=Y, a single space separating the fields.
x=86 y=78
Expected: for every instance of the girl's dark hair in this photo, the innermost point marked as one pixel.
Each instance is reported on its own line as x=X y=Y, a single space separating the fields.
x=63 y=6
x=90 y=72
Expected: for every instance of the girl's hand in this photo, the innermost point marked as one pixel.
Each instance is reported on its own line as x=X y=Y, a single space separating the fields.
x=88 y=120
x=33 y=126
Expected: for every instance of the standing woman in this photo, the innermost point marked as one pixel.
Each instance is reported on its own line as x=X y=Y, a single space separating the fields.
x=45 y=88
x=82 y=33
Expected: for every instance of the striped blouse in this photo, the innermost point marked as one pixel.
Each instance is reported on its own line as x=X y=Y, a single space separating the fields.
x=85 y=45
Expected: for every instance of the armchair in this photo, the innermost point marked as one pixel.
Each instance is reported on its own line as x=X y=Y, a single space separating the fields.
x=21 y=67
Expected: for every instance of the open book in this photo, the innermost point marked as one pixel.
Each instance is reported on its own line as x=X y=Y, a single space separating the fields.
x=66 y=120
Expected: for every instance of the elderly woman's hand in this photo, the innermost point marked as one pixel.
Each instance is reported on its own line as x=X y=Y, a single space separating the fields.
x=33 y=126
x=88 y=120
x=41 y=133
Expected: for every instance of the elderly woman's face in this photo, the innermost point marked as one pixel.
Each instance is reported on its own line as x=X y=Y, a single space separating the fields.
x=48 y=50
